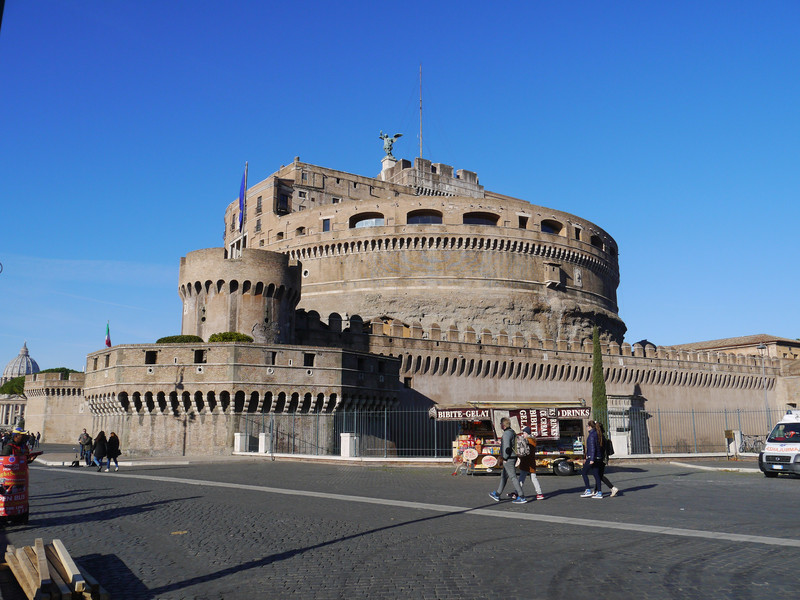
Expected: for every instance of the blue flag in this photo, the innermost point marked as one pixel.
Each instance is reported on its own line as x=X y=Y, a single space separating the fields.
x=241 y=197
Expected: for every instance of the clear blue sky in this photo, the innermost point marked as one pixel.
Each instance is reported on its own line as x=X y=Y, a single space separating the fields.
x=124 y=128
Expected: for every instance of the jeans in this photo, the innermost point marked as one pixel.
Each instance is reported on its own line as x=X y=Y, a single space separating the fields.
x=594 y=469
x=524 y=475
x=509 y=472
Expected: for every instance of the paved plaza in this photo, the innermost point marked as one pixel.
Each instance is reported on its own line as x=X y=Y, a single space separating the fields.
x=243 y=528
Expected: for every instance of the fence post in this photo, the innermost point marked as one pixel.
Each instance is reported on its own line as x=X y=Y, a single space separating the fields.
x=272 y=434
x=694 y=432
x=385 y=434
x=660 y=435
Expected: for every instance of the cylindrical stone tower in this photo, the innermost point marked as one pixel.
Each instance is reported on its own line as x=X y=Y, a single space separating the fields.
x=255 y=294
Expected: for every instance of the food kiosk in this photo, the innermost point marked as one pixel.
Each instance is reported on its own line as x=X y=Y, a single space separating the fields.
x=559 y=433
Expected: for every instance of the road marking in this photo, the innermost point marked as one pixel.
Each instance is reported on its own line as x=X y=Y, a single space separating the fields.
x=494 y=513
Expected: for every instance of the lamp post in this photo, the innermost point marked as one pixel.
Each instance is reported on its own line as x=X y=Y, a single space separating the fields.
x=762 y=350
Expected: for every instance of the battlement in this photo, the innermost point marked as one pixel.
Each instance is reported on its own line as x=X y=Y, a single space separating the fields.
x=50 y=379
x=353 y=329
x=427 y=178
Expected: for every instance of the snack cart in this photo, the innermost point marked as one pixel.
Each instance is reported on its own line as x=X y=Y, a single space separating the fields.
x=559 y=433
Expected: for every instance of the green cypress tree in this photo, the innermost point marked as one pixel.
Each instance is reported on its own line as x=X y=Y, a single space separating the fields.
x=599 y=400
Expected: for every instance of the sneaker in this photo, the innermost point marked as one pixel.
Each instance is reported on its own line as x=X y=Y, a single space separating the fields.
x=587 y=494
x=99 y=469
x=494 y=496
x=117 y=469
x=614 y=491
x=106 y=469
x=539 y=497
x=520 y=500
x=598 y=495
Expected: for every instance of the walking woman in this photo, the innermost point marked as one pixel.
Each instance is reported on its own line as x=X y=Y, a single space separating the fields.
x=527 y=465
x=591 y=464
x=113 y=451
x=99 y=449
x=604 y=462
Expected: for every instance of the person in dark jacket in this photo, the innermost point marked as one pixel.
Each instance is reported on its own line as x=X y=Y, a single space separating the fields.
x=591 y=463
x=99 y=449
x=604 y=462
x=85 y=440
x=112 y=447
x=509 y=456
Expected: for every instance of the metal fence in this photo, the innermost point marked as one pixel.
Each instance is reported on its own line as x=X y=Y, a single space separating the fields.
x=413 y=434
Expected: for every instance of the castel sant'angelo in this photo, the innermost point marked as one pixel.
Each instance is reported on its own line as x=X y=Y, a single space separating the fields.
x=417 y=287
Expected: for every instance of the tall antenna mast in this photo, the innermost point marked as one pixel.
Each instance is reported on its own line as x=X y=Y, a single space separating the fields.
x=420 y=110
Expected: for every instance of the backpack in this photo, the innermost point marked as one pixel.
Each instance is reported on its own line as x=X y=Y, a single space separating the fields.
x=521 y=446
x=609 y=447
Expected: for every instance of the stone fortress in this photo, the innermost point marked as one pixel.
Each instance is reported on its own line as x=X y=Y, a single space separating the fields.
x=413 y=288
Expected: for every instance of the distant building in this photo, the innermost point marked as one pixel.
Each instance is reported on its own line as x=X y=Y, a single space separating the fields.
x=414 y=288
x=12 y=406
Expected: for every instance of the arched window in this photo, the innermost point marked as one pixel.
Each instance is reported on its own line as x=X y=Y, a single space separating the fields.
x=480 y=218
x=424 y=217
x=552 y=227
x=366 y=220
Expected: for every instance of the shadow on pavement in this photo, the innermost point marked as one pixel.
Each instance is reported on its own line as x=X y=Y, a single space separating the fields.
x=115 y=576
x=281 y=556
x=37 y=521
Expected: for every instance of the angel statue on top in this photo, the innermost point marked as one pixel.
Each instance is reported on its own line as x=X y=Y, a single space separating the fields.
x=388 y=142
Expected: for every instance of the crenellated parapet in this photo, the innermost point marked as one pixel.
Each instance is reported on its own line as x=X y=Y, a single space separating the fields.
x=255 y=293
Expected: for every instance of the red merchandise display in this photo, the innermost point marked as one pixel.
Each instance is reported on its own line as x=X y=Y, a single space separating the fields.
x=14 y=487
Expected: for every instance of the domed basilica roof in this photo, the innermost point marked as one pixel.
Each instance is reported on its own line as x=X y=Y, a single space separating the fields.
x=21 y=365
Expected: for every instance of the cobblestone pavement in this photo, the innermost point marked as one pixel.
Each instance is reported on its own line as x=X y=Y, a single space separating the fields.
x=242 y=529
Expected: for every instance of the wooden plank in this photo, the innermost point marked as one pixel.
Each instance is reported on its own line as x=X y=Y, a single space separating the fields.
x=30 y=571
x=44 y=571
x=19 y=574
x=55 y=563
x=74 y=578
x=58 y=583
x=98 y=592
x=44 y=576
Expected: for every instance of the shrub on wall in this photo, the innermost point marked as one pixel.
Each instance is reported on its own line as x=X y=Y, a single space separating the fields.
x=229 y=336
x=180 y=339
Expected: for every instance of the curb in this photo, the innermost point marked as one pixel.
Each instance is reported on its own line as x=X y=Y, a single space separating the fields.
x=702 y=468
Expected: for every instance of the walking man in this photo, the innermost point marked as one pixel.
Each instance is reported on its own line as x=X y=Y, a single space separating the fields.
x=509 y=455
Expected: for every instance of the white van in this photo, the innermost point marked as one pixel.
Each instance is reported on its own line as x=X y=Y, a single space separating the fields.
x=781 y=453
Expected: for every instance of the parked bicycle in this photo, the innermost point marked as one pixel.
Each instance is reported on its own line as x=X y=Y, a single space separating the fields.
x=751 y=443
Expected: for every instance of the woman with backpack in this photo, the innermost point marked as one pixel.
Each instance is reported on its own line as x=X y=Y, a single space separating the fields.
x=527 y=464
x=592 y=461
x=607 y=452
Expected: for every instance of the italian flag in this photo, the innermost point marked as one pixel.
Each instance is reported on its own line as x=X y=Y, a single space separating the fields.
x=108 y=335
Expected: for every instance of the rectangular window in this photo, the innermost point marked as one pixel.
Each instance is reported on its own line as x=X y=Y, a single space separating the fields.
x=577 y=234
x=406 y=382
x=200 y=356
x=523 y=222
x=107 y=360
x=94 y=367
x=302 y=194
x=271 y=357
x=326 y=224
x=258 y=206
x=258 y=224
x=304 y=176
x=150 y=357
x=308 y=360
x=336 y=200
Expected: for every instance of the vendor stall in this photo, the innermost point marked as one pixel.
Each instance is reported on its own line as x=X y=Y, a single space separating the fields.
x=559 y=432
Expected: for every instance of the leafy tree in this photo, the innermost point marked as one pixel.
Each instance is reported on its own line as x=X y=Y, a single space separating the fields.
x=14 y=386
x=229 y=336
x=599 y=399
